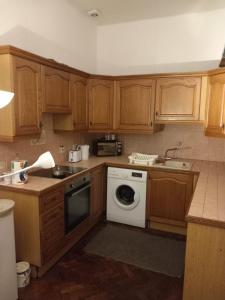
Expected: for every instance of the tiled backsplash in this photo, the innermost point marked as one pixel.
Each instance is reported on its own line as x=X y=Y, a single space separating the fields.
x=24 y=149
x=196 y=145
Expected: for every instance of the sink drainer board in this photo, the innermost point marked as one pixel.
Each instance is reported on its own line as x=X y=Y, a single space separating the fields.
x=159 y=254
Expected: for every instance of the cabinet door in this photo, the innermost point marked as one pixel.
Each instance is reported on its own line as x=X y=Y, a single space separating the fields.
x=78 y=94
x=56 y=98
x=135 y=104
x=100 y=94
x=216 y=100
x=169 y=195
x=27 y=87
x=98 y=192
x=178 y=99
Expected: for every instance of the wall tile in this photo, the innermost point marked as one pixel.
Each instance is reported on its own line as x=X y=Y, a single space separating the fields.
x=53 y=141
x=195 y=144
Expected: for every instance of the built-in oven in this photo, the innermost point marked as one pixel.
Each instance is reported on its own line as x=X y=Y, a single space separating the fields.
x=77 y=202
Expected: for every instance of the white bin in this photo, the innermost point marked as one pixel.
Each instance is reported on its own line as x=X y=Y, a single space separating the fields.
x=23 y=273
x=8 y=283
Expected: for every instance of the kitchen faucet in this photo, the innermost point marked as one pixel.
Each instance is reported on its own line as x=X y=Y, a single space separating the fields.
x=168 y=150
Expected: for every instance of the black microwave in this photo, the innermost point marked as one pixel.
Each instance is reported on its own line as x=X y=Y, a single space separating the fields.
x=107 y=147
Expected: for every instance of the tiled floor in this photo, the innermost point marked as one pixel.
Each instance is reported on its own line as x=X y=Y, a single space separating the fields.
x=83 y=276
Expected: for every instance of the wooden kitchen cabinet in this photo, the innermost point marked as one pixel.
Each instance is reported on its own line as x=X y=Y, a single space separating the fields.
x=98 y=192
x=216 y=101
x=135 y=99
x=179 y=99
x=39 y=224
x=51 y=206
x=56 y=93
x=78 y=120
x=101 y=98
x=22 y=115
x=169 y=197
x=39 y=221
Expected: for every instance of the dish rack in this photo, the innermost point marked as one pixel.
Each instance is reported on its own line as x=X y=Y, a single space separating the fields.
x=142 y=159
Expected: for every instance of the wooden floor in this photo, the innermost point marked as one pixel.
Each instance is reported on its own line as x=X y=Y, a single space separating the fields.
x=83 y=276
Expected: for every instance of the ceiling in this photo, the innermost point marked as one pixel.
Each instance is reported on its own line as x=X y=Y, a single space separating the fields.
x=119 y=11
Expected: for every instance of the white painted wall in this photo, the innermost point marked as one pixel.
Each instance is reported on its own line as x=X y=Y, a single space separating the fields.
x=50 y=28
x=180 y=43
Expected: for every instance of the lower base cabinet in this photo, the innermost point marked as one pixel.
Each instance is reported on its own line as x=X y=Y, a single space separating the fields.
x=39 y=223
x=51 y=224
x=169 y=196
x=98 y=192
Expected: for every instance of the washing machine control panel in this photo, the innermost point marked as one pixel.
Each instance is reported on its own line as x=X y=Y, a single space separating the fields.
x=127 y=174
x=136 y=174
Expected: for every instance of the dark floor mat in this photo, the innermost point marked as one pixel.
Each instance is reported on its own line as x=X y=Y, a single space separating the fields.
x=144 y=250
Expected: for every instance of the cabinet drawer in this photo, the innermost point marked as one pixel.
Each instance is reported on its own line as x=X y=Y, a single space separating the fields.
x=51 y=199
x=52 y=231
x=52 y=249
x=53 y=217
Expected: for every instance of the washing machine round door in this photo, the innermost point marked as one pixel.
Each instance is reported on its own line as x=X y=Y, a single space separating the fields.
x=126 y=197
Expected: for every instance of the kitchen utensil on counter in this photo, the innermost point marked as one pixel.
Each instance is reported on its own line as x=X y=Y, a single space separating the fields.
x=75 y=154
x=113 y=136
x=85 y=152
x=107 y=136
x=17 y=165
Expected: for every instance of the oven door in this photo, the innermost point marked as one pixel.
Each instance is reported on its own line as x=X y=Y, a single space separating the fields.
x=77 y=206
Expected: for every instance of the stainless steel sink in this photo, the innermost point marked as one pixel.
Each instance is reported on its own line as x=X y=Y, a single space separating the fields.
x=174 y=164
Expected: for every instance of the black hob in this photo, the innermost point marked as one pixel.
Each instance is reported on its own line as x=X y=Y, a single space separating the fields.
x=59 y=172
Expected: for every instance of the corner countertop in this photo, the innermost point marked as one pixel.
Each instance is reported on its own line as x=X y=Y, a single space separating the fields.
x=207 y=205
x=208 y=202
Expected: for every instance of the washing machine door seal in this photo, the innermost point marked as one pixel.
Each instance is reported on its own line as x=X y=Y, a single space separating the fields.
x=126 y=197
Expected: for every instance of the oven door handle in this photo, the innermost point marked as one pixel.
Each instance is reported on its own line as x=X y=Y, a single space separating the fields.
x=78 y=191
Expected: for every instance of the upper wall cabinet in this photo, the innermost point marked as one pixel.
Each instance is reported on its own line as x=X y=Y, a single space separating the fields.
x=100 y=97
x=21 y=116
x=179 y=99
x=135 y=105
x=216 y=104
x=78 y=120
x=56 y=96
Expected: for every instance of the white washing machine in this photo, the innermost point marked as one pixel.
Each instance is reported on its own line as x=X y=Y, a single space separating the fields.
x=126 y=196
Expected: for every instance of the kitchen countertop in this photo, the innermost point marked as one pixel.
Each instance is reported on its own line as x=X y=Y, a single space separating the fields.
x=208 y=202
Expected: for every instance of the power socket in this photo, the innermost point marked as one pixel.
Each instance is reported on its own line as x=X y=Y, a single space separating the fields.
x=61 y=149
x=179 y=144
